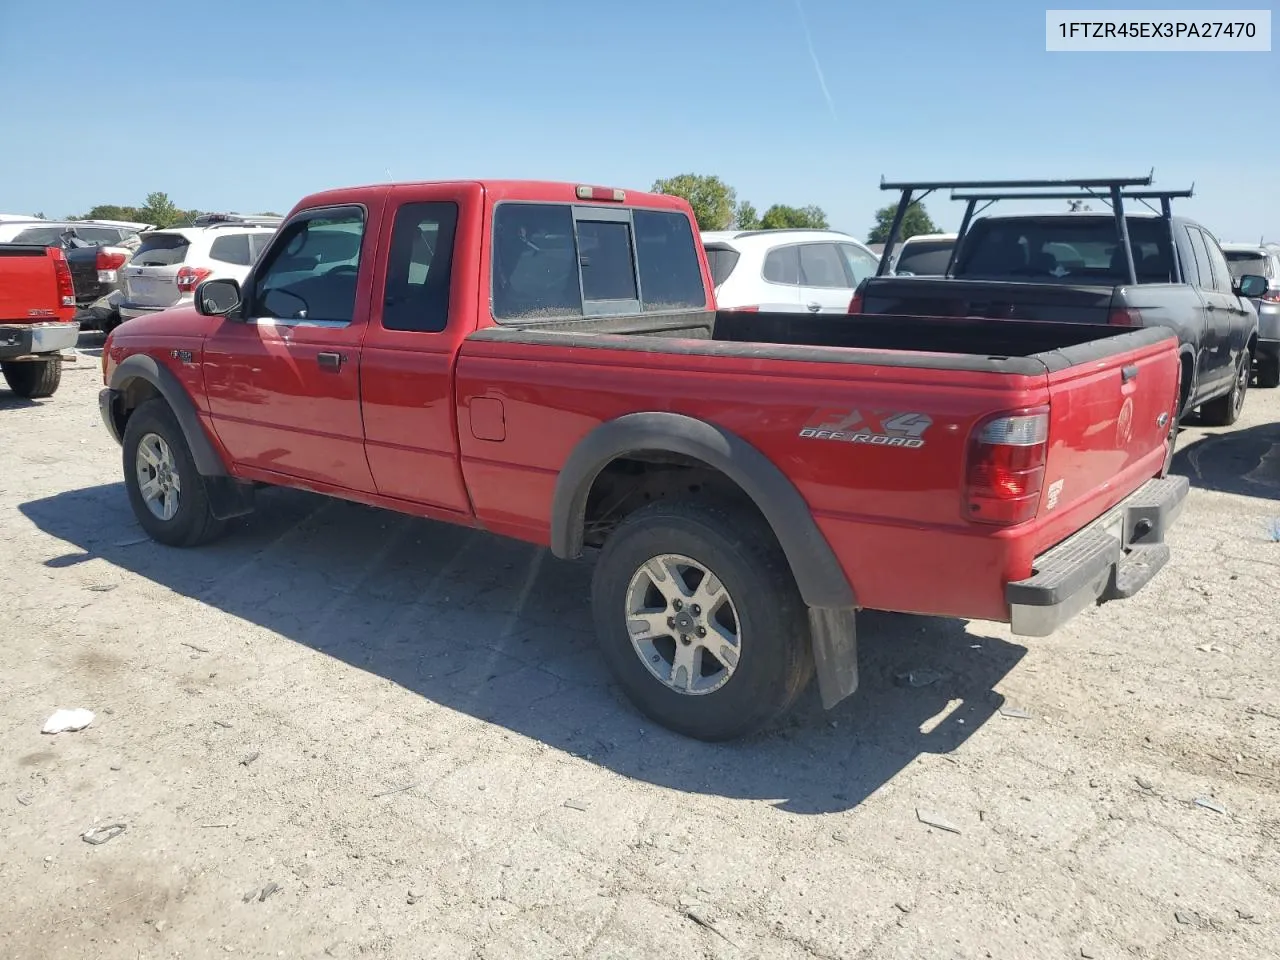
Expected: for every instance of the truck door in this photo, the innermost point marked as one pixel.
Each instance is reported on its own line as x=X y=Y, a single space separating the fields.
x=423 y=305
x=283 y=379
x=1215 y=359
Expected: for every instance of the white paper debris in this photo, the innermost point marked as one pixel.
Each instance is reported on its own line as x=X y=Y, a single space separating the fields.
x=65 y=721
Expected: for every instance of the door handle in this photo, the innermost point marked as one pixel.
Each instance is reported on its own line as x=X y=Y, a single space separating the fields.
x=330 y=361
x=1129 y=373
x=814 y=307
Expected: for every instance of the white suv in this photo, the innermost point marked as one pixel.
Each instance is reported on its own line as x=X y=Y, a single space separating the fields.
x=169 y=264
x=786 y=271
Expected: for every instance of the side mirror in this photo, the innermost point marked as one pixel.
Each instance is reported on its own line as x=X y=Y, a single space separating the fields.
x=1251 y=286
x=217 y=298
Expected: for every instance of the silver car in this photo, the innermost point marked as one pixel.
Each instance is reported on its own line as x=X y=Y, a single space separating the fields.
x=1262 y=259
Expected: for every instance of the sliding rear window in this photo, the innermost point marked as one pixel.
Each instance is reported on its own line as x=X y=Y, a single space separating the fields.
x=161 y=250
x=558 y=261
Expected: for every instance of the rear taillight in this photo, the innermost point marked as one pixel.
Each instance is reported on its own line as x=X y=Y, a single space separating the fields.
x=855 y=305
x=107 y=265
x=1125 y=318
x=109 y=260
x=1004 y=471
x=189 y=278
x=1272 y=296
x=62 y=274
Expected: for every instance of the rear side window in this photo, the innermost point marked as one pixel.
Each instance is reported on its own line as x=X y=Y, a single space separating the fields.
x=670 y=276
x=559 y=261
x=1221 y=272
x=721 y=260
x=821 y=266
x=161 y=250
x=861 y=263
x=782 y=265
x=232 y=249
x=419 y=267
x=1201 y=254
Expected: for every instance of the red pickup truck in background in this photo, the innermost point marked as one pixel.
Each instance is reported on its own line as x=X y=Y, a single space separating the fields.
x=545 y=361
x=37 y=303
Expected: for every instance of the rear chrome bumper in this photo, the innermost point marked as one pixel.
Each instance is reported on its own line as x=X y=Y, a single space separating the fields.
x=1112 y=558
x=27 y=339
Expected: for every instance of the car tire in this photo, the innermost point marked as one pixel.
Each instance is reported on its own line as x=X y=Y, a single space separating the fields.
x=653 y=568
x=33 y=379
x=1269 y=372
x=1225 y=410
x=158 y=466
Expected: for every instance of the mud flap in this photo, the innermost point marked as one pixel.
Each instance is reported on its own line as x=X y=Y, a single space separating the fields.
x=835 y=652
x=229 y=497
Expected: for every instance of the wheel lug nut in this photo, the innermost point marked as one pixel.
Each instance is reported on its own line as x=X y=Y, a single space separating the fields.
x=671 y=621
x=702 y=631
x=697 y=610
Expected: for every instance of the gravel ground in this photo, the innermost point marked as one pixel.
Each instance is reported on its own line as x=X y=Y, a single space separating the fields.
x=341 y=732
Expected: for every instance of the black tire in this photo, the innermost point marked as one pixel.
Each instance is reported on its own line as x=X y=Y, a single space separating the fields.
x=192 y=523
x=33 y=379
x=1225 y=410
x=1269 y=372
x=775 y=659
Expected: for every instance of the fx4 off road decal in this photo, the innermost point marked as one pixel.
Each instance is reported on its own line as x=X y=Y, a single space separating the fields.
x=880 y=428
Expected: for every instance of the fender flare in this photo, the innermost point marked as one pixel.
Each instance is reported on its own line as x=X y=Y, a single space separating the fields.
x=143 y=367
x=818 y=573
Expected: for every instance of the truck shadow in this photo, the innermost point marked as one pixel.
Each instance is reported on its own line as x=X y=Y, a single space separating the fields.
x=502 y=631
x=1244 y=462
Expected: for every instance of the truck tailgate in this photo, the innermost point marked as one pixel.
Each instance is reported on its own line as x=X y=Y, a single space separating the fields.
x=947 y=297
x=28 y=284
x=1109 y=430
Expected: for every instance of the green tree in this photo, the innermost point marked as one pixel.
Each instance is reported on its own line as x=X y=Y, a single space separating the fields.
x=162 y=211
x=745 y=217
x=782 y=217
x=711 y=198
x=915 y=221
x=112 y=211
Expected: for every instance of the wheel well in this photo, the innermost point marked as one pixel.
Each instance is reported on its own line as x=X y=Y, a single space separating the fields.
x=630 y=482
x=1184 y=389
x=133 y=394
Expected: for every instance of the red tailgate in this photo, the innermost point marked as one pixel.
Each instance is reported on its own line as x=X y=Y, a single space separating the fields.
x=35 y=284
x=1108 y=431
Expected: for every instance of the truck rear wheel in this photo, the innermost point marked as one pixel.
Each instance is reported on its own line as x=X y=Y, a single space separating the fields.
x=33 y=379
x=699 y=619
x=166 y=490
x=1225 y=410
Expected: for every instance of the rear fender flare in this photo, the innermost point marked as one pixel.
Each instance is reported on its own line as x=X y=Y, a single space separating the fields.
x=818 y=573
x=140 y=366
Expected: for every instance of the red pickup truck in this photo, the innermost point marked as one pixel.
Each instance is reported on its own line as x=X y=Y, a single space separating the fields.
x=37 y=304
x=545 y=361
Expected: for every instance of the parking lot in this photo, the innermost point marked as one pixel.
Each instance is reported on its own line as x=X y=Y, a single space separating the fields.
x=345 y=732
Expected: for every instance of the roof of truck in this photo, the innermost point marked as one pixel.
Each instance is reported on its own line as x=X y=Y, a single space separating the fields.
x=533 y=190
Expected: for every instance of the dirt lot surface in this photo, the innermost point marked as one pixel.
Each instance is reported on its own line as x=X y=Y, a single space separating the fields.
x=341 y=732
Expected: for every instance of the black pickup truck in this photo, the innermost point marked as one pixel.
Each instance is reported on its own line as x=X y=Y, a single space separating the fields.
x=1112 y=267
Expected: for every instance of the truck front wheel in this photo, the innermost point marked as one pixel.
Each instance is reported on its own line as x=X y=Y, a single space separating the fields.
x=33 y=379
x=700 y=620
x=165 y=489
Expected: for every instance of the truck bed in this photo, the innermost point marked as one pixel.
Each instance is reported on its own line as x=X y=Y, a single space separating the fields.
x=943 y=343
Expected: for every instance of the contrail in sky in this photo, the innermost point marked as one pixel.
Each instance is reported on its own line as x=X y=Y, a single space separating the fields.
x=817 y=67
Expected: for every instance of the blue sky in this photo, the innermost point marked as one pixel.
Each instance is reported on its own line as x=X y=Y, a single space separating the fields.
x=249 y=106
